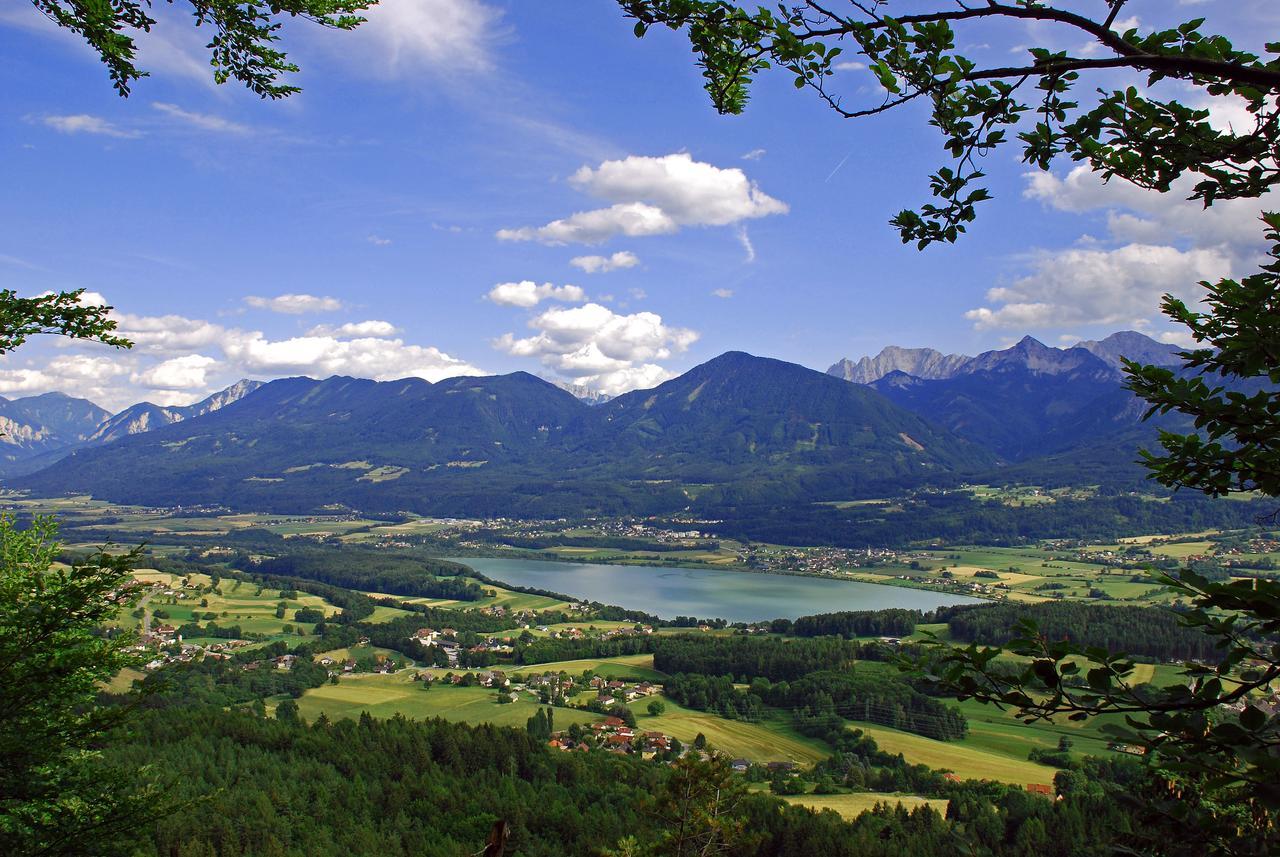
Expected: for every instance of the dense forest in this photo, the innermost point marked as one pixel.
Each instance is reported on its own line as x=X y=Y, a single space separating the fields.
x=1148 y=632
x=392 y=573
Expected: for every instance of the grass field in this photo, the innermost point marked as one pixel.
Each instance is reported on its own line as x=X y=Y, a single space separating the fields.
x=964 y=758
x=233 y=603
x=852 y=805
x=122 y=682
x=768 y=741
x=388 y=695
x=639 y=667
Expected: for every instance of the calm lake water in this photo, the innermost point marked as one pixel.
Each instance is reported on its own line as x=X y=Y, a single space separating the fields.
x=737 y=596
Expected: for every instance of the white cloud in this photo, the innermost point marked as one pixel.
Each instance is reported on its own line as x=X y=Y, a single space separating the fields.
x=1086 y=286
x=527 y=293
x=691 y=192
x=600 y=349
x=179 y=373
x=378 y=241
x=79 y=375
x=633 y=219
x=203 y=121
x=1135 y=214
x=83 y=123
x=322 y=356
x=754 y=155
x=747 y=247
x=295 y=304
x=654 y=196
x=850 y=65
x=722 y=293
x=604 y=264
x=356 y=329
x=403 y=38
x=168 y=333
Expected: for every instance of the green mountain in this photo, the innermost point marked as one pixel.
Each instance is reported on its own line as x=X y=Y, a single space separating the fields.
x=736 y=428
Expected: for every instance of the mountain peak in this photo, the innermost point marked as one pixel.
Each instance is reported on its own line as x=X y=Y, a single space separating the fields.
x=924 y=363
x=1134 y=346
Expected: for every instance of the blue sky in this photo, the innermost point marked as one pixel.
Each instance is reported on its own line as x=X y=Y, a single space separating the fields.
x=470 y=186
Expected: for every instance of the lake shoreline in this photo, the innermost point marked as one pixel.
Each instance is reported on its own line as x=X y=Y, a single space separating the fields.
x=750 y=596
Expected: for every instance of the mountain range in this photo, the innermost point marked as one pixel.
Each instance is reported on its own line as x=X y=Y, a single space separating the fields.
x=37 y=431
x=736 y=431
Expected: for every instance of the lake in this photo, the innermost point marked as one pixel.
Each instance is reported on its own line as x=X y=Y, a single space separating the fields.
x=737 y=596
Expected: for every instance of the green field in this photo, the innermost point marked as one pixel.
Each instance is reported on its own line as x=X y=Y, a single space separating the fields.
x=388 y=695
x=852 y=805
x=768 y=741
x=964 y=758
x=639 y=667
x=233 y=603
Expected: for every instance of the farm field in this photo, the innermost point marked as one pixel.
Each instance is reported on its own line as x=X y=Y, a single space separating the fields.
x=389 y=695
x=768 y=741
x=234 y=603
x=639 y=667
x=850 y=806
x=963 y=757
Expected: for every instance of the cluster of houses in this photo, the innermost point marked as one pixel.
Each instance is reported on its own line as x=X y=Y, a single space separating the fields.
x=614 y=692
x=823 y=560
x=615 y=736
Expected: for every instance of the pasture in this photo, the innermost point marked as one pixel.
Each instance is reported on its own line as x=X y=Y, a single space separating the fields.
x=771 y=740
x=852 y=805
x=967 y=760
x=389 y=695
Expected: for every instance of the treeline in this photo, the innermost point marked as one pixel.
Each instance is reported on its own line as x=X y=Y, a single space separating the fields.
x=393 y=573
x=894 y=622
x=252 y=786
x=607 y=542
x=821 y=702
x=958 y=518
x=746 y=658
x=1148 y=632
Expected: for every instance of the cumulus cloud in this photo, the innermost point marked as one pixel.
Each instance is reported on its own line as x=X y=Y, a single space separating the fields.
x=600 y=349
x=527 y=293
x=1087 y=286
x=79 y=375
x=321 y=356
x=604 y=264
x=1140 y=215
x=654 y=196
x=83 y=123
x=203 y=121
x=356 y=329
x=295 y=304
x=723 y=293
x=633 y=219
x=178 y=360
x=168 y=333
x=178 y=373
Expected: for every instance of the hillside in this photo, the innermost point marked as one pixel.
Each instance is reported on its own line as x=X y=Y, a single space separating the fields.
x=737 y=426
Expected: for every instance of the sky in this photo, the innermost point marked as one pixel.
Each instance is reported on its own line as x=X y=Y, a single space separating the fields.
x=480 y=187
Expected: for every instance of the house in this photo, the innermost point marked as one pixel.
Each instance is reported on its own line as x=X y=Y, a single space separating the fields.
x=1039 y=789
x=740 y=766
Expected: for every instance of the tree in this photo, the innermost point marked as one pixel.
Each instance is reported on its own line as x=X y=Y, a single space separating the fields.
x=55 y=797
x=241 y=47
x=698 y=808
x=656 y=708
x=58 y=313
x=1213 y=752
x=1127 y=131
